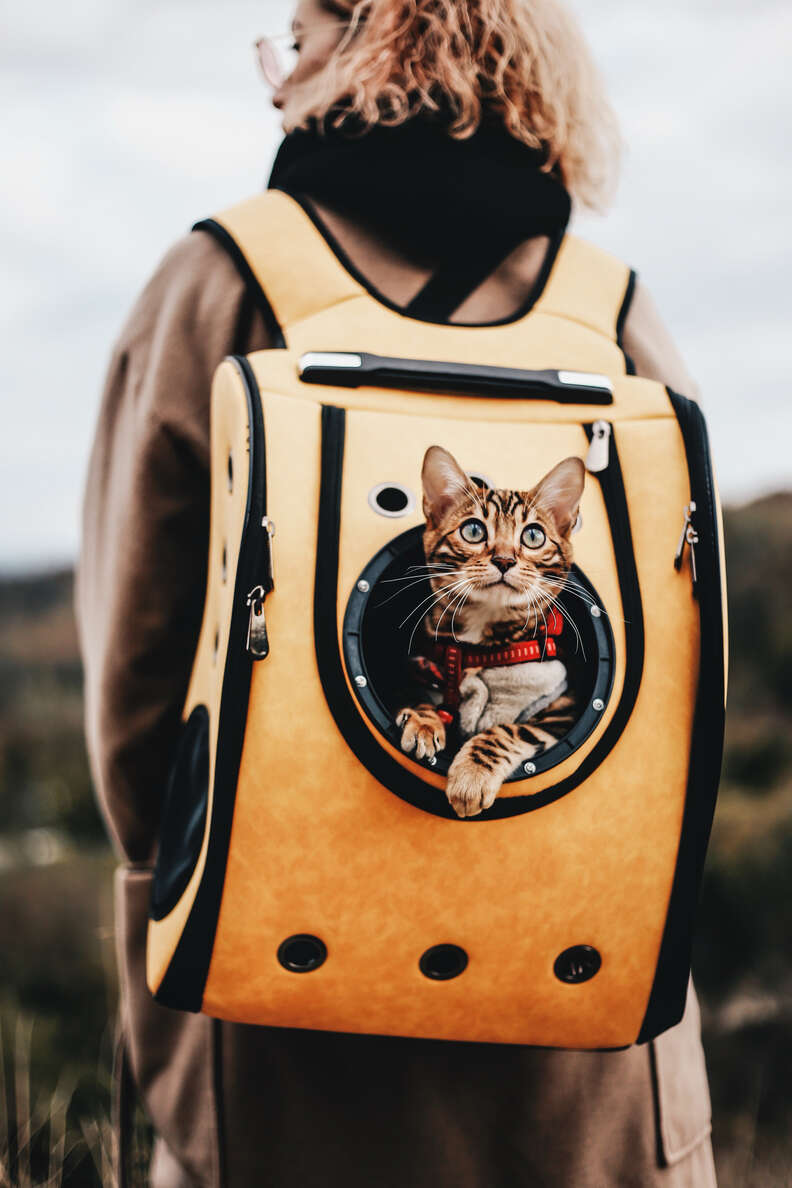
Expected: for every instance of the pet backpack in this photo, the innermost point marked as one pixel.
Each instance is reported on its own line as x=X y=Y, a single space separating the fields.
x=310 y=873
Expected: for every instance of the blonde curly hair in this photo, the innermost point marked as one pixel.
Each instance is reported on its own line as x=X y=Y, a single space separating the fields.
x=524 y=59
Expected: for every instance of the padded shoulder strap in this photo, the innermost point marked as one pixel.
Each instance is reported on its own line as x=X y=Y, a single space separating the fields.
x=293 y=270
x=588 y=285
x=276 y=245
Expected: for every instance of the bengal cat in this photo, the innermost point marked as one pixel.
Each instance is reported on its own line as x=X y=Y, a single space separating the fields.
x=496 y=561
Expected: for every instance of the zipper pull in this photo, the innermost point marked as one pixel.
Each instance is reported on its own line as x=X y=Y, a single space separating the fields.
x=269 y=527
x=257 y=642
x=598 y=455
x=688 y=536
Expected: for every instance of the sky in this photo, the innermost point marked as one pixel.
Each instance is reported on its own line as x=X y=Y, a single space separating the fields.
x=126 y=122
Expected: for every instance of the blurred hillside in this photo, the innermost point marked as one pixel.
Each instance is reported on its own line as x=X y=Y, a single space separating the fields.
x=55 y=865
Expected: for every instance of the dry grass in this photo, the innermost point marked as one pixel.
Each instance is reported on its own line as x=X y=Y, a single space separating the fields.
x=45 y=1141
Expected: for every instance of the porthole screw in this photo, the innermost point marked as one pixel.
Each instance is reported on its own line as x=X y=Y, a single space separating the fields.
x=432 y=760
x=596 y=612
x=529 y=768
x=360 y=681
x=598 y=704
x=363 y=586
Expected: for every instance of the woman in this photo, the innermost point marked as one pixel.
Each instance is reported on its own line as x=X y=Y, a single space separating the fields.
x=437 y=143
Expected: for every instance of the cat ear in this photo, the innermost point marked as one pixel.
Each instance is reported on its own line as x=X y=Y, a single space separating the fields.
x=560 y=492
x=444 y=482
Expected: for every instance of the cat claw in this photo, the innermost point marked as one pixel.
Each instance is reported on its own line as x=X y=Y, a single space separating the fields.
x=421 y=734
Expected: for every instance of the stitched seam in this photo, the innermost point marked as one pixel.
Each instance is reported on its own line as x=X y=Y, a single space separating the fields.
x=673 y=1156
x=563 y=317
x=322 y=309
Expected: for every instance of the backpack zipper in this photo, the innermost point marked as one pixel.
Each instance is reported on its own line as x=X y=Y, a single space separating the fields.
x=689 y=537
x=182 y=986
x=667 y=998
x=257 y=642
x=598 y=455
x=602 y=460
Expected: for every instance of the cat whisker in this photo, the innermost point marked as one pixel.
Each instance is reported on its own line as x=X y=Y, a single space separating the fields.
x=568 y=619
x=531 y=607
x=569 y=584
x=434 y=597
x=422 y=618
x=415 y=582
x=419 y=570
x=589 y=601
x=462 y=595
x=453 y=617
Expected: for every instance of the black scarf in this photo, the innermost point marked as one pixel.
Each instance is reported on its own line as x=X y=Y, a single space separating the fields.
x=437 y=199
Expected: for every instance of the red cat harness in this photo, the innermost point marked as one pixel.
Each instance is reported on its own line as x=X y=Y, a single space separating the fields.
x=444 y=668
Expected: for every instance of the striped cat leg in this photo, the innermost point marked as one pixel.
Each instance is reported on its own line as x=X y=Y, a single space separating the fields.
x=423 y=730
x=477 y=773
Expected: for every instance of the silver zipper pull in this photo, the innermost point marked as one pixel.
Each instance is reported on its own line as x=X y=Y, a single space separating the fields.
x=257 y=642
x=269 y=527
x=598 y=455
x=689 y=537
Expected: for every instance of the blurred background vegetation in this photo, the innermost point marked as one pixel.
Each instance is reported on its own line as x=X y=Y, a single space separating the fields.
x=57 y=996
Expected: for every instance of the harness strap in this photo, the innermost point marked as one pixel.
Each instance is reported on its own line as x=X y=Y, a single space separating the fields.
x=451 y=659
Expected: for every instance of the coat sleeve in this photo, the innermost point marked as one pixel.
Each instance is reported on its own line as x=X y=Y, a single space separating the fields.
x=141 y=566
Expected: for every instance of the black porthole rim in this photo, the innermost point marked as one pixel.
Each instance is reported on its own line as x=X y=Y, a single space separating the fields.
x=302 y=938
x=378 y=714
x=443 y=950
x=352 y=724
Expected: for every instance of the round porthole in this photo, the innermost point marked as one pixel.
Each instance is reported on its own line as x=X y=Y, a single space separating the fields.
x=383 y=608
x=391 y=499
x=577 y=964
x=442 y=962
x=481 y=479
x=302 y=952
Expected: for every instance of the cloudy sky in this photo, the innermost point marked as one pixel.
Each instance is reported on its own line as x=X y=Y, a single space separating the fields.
x=124 y=122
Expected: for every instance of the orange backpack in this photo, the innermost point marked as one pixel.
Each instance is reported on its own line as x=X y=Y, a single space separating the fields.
x=310 y=873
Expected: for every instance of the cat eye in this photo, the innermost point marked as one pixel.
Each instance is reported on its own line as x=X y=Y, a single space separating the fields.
x=473 y=531
x=533 y=537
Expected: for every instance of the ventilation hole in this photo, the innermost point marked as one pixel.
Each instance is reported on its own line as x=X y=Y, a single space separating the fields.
x=230 y=472
x=216 y=646
x=302 y=953
x=577 y=964
x=224 y=564
x=391 y=499
x=442 y=962
x=481 y=479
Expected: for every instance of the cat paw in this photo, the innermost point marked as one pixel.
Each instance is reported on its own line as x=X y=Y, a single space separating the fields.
x=423 y=731
x=470 y=788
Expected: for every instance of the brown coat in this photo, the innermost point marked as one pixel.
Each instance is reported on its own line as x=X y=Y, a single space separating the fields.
x=245 y=1106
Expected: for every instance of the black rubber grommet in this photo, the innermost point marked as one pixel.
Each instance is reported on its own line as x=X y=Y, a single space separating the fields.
x=302 y=952
x=577 y=964
x=442 y=962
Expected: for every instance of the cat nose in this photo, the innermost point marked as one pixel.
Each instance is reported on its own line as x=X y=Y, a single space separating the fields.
x=503 y=563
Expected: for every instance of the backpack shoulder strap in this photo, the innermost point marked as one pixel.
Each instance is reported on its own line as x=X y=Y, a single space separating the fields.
x=589 y=286
x=282 y=256
x=293 y=272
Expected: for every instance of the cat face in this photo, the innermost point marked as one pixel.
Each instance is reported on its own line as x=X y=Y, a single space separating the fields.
x=511 y=549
